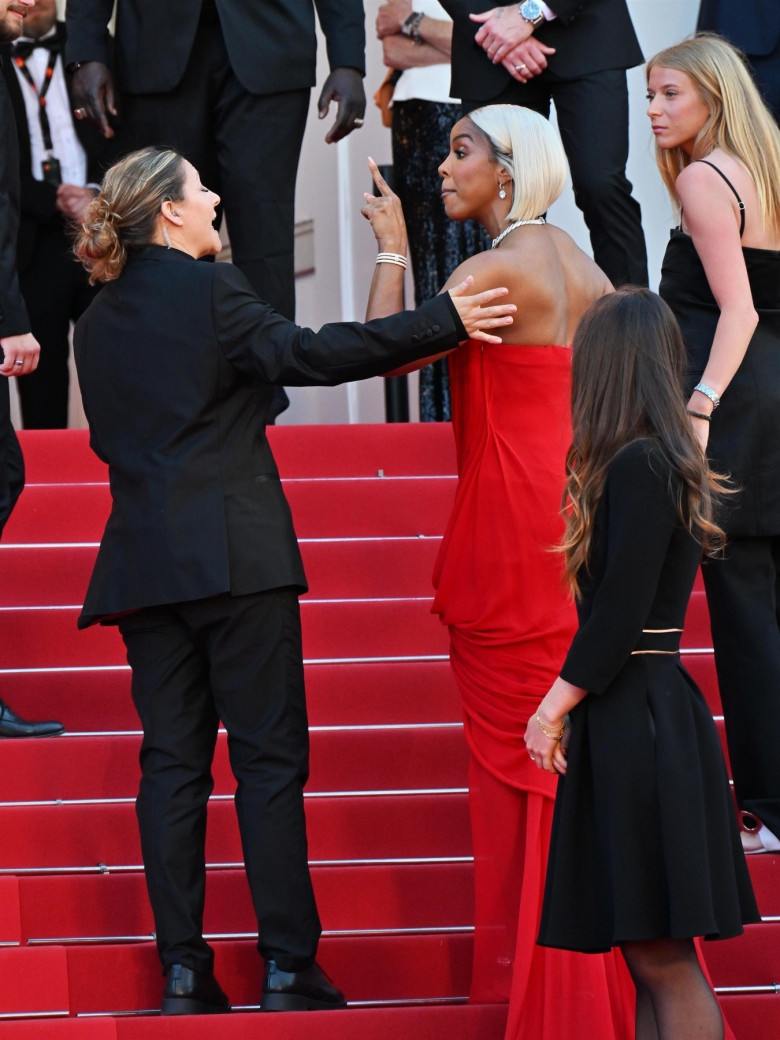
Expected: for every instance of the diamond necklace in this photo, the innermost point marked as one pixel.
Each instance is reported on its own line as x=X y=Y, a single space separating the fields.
x=517 y=223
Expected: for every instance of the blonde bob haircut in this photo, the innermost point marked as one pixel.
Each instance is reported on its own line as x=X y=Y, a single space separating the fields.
x=530 y=150
x=739 y=122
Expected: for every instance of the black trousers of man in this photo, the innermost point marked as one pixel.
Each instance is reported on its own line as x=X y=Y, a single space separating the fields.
x=238 y=659
x=245 y=146
x=56 y=291
x=743 y=597
x=592 y=114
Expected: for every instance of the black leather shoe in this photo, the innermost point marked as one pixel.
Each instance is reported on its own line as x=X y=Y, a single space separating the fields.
x=189 y=992
x=12 y=726
x=307 y=990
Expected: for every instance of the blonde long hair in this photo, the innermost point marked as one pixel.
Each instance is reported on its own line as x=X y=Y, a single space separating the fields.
x=739 y=124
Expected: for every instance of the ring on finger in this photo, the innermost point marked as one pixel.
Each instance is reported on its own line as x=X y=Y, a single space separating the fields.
x=519 y=67
x=17 y=362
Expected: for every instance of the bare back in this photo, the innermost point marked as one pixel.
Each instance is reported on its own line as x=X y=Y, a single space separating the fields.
x=550 y=280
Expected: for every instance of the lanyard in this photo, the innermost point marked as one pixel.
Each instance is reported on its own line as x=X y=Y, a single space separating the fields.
x=21 y=64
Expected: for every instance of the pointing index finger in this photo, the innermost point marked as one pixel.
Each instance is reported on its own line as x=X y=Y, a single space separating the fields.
x=381 y=183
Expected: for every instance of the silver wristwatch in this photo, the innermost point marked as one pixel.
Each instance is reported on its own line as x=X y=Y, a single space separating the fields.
x=532 y=12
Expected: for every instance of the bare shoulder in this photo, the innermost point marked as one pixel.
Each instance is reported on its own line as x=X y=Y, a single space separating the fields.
x=488 y=269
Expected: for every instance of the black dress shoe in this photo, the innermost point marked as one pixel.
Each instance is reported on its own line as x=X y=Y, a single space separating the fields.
x=307 y=990
x=12 y=726
x=189 y=992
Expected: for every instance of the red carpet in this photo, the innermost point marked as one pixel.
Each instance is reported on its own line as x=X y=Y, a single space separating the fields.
x=389 y=837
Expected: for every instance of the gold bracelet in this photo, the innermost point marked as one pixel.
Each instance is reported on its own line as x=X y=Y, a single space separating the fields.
x=550 y=736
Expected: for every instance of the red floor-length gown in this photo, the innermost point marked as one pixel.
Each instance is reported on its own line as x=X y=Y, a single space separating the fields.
x=500 y=590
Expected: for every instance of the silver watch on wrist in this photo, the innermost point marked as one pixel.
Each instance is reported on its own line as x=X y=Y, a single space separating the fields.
x=532 y=11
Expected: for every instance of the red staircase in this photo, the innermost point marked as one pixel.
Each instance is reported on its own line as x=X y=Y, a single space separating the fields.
x=386 y=804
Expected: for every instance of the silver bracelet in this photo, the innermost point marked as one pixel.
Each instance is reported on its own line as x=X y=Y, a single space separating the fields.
x=391 y=258
x=708 y=392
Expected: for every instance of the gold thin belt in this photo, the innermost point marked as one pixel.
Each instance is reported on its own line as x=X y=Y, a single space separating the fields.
x=657 y=644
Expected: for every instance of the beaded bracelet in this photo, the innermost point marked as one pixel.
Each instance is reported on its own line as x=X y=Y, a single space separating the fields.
x=708 y=392
x=700 y=415
x=391 y=258
x=550 y=735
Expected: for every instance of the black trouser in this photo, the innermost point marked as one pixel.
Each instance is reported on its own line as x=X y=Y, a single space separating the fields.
x=592 y=117
x=11 y=460
x=743 y=599
x=246 y=147
x=238 y=659
x=56 y=291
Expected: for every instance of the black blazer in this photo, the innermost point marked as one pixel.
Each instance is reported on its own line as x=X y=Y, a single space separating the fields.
x=177 y=363
x=589 y=36
x=271 y=43
x=753 y=27
x=38 y=200
x=13 y=313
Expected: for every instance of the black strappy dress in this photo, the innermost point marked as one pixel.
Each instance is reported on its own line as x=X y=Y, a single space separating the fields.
x=745 y=433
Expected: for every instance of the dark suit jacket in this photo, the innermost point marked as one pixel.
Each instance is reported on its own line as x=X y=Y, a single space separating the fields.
x=38 y=200
x=753 y=27
x=589 y=36
x=13 y=313
x=177 y=362
x=271 y=43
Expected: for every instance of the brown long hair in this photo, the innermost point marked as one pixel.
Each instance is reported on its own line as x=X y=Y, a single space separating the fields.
x=627 y=376
x=123 y=215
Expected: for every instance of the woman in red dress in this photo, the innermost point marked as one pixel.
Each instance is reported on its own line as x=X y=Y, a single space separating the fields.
x=499 y=587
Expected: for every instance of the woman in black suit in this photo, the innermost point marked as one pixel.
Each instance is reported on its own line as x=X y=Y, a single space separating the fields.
x=199 y=563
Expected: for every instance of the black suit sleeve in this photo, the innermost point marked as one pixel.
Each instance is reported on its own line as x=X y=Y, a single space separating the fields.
x=344 y=26
x=269 y=348
x=87 y=25
x=641 y=519
x=13 y=313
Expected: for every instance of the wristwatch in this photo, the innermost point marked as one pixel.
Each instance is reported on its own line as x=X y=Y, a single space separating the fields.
x=411 y=27
x=532 y=12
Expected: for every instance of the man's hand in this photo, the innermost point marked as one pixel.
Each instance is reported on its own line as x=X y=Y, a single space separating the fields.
x=20 y=354
x=527 y=60
x=345 y=86
x=391 y=16
x=93 y=95
x=72 y=201
x=502 y=29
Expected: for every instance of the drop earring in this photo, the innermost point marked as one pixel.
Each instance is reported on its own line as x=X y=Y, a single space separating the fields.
x=501 y=191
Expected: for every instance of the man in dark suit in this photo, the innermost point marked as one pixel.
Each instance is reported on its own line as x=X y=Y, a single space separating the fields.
x=20 y=348
x=755 y=29
x=574 y=53
x=60 y=168
x=227 y=83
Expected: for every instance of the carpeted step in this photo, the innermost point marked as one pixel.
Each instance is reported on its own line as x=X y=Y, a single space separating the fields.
x=466 y=1022
x=331 y=450
x=113 y=907
x=372 y=693
x=105 y=979
x=349 y=827
x=342 y=568
x=375 y=759
x=35 y=637
x=347 y=507
x=752 y=959
x=754 y=1016
x=332 y=630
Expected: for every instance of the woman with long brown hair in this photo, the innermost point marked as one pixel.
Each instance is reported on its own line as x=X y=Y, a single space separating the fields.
x=645 y=852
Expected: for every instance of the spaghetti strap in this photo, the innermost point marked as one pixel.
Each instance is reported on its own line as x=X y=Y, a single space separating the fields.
x=740 y=203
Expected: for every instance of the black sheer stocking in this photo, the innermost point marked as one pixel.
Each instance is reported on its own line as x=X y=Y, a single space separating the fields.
x=674 y=999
